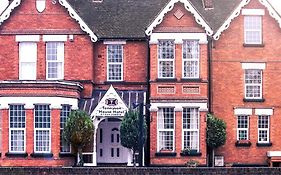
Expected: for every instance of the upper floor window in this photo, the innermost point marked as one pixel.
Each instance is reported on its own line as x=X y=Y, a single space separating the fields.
x=190 y=59
x=27 y=60
x=55 y=59
x=166 y=129
x=191 y=128
x=115 y=62
x=17 y=129
x=166 y=59
x=242 y=127
x=65 y=111
x=253 y=29
x=263 y=129
x=42 y=124
x=253 y=84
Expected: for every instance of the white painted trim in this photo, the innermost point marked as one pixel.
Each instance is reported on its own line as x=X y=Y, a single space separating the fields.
x=115 y=63
x=264 y=112
x=237 y=11
x=58 y=38
x=201 y=106
x=253 y=12
x=114 y=42
x=253 y=66
x=6 y=14
x=178 y=37
x=42 y=82
x=75 y=16
x=27 y=38
x=55 y=102
x=273 y=153
x=189 y=7
x=243 y=111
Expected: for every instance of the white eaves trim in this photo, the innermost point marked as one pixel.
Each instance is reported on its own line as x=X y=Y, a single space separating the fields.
x=243 y=111
x=75 y=16
x=55 y=102
x=178 y=37
x=6 y=14
x=237 y=11
x=253 y=66
x=264 y=112
x=188 y=7
x=253 y=12
x=27 y=38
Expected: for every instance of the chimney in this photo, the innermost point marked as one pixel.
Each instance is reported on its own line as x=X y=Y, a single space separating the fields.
x=208 y=4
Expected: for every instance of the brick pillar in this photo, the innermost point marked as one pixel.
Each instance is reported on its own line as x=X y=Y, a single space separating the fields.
x=178 y=61
x=202 y=136
x=178 y=131
x=5 y=131
x=29 y=131
x=153 y=133
x=55 y=132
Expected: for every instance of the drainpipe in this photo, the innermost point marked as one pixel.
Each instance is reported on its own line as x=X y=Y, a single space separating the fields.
x=147 y=111
x=210 y=40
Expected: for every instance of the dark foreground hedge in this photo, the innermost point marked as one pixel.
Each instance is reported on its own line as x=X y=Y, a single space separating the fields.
x=138 y=171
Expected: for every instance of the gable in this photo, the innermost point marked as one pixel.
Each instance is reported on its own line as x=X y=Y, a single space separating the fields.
x=237 y=12
x=188 y=7
x=111 y=105
x=55 y=18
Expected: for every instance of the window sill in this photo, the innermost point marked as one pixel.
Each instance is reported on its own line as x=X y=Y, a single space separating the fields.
x=264 y=144
x=9 y=154
x=165 y=154
x=254 y=100
x=197 y=80
x=66 y=155
x=43 y=155
x=244 y=143
x=114 y=82
x=191 y=153
x=166 y=80
x=253 y=45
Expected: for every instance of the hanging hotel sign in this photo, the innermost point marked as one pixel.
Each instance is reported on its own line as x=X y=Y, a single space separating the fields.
x=111 y=105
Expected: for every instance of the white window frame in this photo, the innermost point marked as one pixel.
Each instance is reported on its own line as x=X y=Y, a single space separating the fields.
x=253 y=84
x=264 y=129
x=159 y=129
x=166 y=59
x=243 y=129
x=42 y=129
x=196 y=73
x=197 y=113
x=59 y=59
x=17 y=129
x=246 y=17
x=22 y=60
x=62 y=143
x=115 y=63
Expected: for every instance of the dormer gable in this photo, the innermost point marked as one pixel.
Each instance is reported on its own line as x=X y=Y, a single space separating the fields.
x=178 y=14
x=237 y=11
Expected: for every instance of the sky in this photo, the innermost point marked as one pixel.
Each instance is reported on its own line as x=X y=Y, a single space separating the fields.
x=276 y=4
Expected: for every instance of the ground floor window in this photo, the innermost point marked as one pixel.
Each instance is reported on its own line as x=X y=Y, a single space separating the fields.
x=65 y=111
x=243 y=127
x=166 y=123
x=263 y=129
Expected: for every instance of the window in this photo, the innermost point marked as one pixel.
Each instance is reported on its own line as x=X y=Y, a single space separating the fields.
x=263 y=129
x=190 y=128
x=114 y=62
x=42 y=129
x=27 y=60
x=253 y=84
x=190 y=59
x=64 y=147
x=17 y=129
x=243 y=127
x=253 y=29
x=166 y=123
x=166 y=57
x=55 y=58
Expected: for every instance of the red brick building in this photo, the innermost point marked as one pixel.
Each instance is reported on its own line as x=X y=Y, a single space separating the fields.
x=184 y=58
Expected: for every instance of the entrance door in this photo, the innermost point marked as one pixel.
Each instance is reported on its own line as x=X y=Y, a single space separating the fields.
x=109 y=148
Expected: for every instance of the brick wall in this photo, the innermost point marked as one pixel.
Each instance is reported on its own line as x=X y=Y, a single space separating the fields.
x=228 y=86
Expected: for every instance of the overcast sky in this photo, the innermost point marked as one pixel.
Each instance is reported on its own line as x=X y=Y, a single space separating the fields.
x=277 y=4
